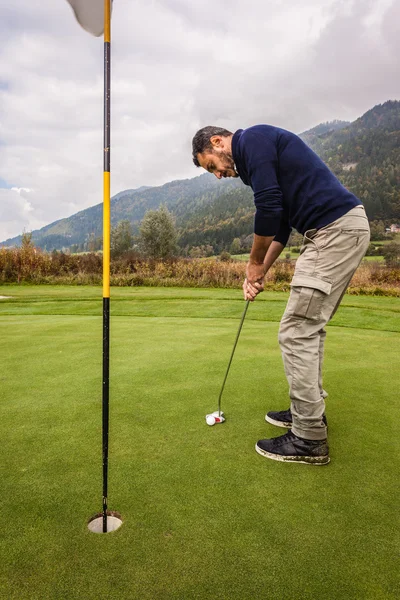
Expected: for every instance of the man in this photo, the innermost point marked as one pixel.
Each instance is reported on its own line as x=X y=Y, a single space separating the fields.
x=293 y=188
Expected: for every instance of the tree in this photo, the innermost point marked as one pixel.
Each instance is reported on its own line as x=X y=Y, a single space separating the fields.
x=391 y=253
x=378 y=231
x=158 y=234
x=201 y=251
x=91 y=242
x=95 y=243
x=121 y=238
x=224 y=256
x=196 y=252
x=295 y=239
x=236 y=246
x=246 y=242
x=26 y=240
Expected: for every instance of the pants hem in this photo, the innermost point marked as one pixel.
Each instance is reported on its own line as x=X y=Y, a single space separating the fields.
x=310 y=435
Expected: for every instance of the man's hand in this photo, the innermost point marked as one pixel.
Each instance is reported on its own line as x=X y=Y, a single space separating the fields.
x=258 y=265
x=254 y=282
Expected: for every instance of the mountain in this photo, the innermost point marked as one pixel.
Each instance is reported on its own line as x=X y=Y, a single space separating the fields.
x=125 y=192
x=187 y=199
x=323 y=130
x=365 y=155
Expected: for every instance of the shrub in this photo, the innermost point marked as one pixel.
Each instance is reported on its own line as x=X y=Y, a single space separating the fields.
x=391 y=252
x=31 y=265
x=372 y=250
x=282 y=271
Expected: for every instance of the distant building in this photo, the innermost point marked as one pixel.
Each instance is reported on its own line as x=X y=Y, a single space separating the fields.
x=394 y=228
x=349 y=166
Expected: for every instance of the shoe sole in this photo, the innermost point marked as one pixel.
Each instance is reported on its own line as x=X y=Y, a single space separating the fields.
x=305 y=460
x=285 y=424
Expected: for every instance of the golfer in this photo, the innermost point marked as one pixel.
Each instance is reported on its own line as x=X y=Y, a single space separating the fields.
x=293 y=188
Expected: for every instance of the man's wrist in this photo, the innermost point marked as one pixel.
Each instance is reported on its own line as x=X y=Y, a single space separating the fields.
x=255 y=271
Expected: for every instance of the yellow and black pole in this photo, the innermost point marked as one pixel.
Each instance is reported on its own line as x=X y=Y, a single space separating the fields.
x=95 y=17
x=106 y=252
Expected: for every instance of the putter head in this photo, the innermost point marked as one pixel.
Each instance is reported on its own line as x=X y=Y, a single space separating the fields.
x=217 y=416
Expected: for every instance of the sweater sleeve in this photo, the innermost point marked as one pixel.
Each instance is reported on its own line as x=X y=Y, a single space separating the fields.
x=260 y=154
x=283 y=234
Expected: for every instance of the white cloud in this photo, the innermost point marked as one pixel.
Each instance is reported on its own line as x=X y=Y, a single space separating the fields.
x=176 y=66
x=21 y=191
x=16 y=212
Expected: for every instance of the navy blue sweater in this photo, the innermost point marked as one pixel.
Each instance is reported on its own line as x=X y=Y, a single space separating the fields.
x=292 y=186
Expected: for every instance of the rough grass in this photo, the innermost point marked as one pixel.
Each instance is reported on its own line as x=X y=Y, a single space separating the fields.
x=204 y=515
x=28 y=265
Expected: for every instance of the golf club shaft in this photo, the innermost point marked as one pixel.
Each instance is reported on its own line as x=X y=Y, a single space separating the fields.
x=233 y=352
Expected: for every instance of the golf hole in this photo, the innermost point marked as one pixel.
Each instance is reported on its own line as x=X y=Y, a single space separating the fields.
x=114 y=521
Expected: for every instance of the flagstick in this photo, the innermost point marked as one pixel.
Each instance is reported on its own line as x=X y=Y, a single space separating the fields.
x=106 y=252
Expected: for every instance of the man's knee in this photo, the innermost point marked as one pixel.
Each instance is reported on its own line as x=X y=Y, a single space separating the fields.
x=299 y=333
x=291 y=330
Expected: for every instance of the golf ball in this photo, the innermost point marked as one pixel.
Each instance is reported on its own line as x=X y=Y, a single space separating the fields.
x=210 y=420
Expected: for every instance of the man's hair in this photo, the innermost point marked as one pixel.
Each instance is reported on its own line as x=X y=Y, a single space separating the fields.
x=201 y=140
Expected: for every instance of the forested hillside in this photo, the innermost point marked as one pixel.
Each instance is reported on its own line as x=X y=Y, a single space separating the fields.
x=365 y=155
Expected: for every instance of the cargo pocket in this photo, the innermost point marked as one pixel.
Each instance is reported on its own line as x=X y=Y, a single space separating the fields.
x=307 y=297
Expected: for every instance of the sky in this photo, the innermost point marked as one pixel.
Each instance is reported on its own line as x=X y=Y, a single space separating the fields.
x=176 y=66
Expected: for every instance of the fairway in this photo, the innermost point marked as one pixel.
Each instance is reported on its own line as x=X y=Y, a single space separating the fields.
x=205 y=517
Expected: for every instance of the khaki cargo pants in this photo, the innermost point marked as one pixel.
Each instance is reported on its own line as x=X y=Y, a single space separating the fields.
x=327 y=262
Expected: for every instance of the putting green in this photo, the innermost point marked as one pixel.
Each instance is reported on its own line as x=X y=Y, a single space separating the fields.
x=205 y=517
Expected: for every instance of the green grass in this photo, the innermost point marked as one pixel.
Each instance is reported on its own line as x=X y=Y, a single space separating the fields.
x=374 y=259
x=241 y=257
x=396 y=239
x=204 y=516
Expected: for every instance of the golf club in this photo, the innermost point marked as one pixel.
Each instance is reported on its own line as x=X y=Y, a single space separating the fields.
x=218 y=416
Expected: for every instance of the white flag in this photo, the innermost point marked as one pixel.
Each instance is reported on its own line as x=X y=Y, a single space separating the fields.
x=89 y=14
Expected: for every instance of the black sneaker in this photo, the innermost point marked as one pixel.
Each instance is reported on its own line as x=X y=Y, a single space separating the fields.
x=290 y=448
x=283 y=418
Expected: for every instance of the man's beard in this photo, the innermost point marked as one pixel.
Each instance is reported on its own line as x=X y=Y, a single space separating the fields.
x=229 y=163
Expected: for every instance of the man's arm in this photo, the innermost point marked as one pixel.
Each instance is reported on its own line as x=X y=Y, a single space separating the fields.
x=255 y=267
x=274 y=251
x=260 y=157
x=264 y=253
x=279 y=243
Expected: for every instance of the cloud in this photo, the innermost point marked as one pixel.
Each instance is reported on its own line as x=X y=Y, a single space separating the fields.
x=21 y=191
x=176 y=66
x=16 y=212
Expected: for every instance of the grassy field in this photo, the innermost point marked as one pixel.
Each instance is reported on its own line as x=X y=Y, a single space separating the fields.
x=205 y=517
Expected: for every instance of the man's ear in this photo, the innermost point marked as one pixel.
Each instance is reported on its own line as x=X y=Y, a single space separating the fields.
x=216 y=141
